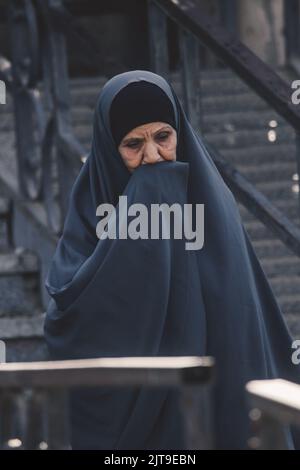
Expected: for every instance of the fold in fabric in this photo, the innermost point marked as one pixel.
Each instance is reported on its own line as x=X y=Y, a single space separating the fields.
x=145 y=297
x=132 y=297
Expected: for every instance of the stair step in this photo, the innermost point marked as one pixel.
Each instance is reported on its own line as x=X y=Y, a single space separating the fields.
x=19 y=283
x=268 y=171
x=285 y=189
x=19 y=261
x=262 y=153
x=247 y=138
x=267 y=248
x=281 y=204
x=223 y=73
x=293 y=322
x=284 y=285
x=279 y=266
x=23 y=326
x=290 y=208
x=289 y=302
x=248 y=119
x=29 y=349
x=257 y=230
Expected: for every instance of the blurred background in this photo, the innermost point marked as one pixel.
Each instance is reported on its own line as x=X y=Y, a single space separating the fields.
x=232 y=63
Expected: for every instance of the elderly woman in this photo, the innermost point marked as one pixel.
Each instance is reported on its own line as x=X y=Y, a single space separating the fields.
x=122 y=296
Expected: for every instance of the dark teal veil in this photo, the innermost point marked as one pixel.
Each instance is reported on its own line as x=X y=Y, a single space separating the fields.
x=114 y=298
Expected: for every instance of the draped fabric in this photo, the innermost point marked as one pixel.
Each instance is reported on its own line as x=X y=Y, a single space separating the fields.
x=152 y=297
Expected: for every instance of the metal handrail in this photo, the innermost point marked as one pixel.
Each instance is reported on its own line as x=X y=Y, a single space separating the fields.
x=275 y=405
x=37 y=393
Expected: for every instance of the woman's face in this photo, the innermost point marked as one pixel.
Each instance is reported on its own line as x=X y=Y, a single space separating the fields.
x=149 y=143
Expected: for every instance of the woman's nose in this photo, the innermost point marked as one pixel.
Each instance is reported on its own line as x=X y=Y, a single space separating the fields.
x=151 y=154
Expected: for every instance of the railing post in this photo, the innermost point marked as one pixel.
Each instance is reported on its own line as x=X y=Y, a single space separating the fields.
x=58 y=430
x=9 y=410
x=31 y=415
x=158 y=40
x=196 y=408
x=59 y=169
x=29 y=118
x=269 y=433
x=275 y=406
x=228 y=13
x=292 y=32
x=190 y=73
x=34 y=419
x=49 y=157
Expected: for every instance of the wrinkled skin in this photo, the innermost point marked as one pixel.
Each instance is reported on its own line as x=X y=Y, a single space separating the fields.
x=149 y=143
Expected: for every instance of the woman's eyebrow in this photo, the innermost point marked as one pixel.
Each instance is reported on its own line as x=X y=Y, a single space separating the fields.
x=162 y=129
x=129 y=139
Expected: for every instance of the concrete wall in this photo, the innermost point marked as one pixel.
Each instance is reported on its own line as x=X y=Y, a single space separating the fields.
x=261 y=28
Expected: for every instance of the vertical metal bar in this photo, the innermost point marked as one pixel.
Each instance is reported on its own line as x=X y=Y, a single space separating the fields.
x=34 y=419
x=31 y=419
x=297 y=141
x=270 y=434
x=196 y=407
x=25 y=52
x=292 y=29
x=228 y=13
x=8 y=419
x=57 y=57
x=59 y=170
x=158 y=40
x=190 y=72
x=59 y=68
x=58 y=425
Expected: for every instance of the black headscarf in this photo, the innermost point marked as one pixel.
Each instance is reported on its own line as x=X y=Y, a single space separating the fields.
x=153 y=297
x=136 y=104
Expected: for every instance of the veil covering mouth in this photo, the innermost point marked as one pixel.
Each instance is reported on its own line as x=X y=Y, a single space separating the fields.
x=145 y=297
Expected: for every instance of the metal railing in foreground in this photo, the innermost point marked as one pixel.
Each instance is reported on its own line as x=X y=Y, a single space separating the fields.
x=34 y=395
x=275 y=404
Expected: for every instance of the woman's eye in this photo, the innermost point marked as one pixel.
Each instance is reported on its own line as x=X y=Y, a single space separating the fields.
x=133 y=145
x=136 y=144
x=163 y=136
